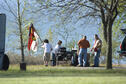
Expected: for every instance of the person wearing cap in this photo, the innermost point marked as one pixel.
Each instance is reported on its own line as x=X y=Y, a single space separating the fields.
x=83 y=45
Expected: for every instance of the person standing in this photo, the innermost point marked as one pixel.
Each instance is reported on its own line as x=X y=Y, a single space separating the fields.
x=83 y=45
x=47 y=50
x=97 y=50
x=55 y=51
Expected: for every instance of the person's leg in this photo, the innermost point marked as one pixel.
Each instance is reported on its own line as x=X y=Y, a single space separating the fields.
x=44 y=58
x=46 y=63
x=48 y=58
x=53 y=59
x=85 y=57
x=80 y=57
x=96 y=60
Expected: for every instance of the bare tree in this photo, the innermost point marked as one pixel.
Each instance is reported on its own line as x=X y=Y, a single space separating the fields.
x=18 y=18
x=64 y=32
x=20 y=28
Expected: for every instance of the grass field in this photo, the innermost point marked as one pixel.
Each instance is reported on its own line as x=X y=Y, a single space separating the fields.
x=62 y=75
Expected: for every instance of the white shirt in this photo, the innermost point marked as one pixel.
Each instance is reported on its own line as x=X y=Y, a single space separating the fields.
x=47 y=47
x=56 y=49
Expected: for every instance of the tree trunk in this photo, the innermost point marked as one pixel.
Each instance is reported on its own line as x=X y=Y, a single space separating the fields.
x=109 y=44
x=20 y=28
x=108 y=38
x=105 y=31
x=108 y=16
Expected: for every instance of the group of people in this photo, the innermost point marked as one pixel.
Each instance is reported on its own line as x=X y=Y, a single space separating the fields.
x=49 y=51
x=96 y=49
x=83 y=45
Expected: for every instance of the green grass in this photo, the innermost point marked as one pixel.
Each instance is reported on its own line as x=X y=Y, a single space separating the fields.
x=62 y=75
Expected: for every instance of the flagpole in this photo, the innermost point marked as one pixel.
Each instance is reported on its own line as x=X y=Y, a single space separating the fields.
x=38 y=35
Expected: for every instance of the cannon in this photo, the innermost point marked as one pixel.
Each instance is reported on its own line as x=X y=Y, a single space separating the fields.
x=64 y=55
x=72 y=56
x=4 y=60
x=122 y=51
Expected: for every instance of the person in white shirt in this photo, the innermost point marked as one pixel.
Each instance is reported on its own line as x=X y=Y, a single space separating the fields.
x=57 y=47
x=47 y=50
x=56 y=50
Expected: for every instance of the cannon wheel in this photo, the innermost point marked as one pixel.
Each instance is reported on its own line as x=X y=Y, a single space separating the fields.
x=74 y=60
x=6 y=63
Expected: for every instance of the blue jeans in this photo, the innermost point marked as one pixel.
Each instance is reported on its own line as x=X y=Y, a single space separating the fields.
x=53 y=60
x=82 y=59
x=96 y=59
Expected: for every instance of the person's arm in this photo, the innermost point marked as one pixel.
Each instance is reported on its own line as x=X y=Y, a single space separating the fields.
x=88 y=44
x=92 y=47
x=56 y=47
x=51 y=47
x=79 y=43
x=43 y=46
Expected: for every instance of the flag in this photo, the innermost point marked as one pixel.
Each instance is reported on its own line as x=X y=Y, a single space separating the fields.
x=34 y=43
x=33 y=39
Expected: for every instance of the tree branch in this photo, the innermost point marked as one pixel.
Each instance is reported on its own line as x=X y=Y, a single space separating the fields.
x=89 y=7
x=10 y=10
x=115 y=5
x=116 y=13
x=111 y=5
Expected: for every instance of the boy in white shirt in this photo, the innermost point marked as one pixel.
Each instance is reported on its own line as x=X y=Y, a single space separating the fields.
x=47 y=50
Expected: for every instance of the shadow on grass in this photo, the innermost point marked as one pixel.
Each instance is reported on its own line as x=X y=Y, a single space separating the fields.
x=53 y=72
